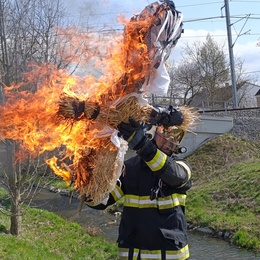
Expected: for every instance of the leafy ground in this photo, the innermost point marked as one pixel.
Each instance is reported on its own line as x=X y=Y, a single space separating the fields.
x=226 y=190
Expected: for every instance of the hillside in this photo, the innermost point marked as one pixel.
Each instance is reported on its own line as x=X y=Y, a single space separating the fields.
x=226 y=191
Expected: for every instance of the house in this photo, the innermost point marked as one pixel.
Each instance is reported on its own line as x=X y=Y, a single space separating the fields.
x=246 y=95
x=223 y=97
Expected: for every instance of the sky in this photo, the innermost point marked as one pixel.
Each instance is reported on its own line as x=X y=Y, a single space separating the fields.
x=200 y=17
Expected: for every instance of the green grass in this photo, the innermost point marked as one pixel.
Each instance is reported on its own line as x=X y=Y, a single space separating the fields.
x=225 y=196
x=226 y=190
x=46 y=236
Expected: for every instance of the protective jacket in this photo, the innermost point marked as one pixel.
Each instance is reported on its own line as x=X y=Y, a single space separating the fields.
x=153 y=224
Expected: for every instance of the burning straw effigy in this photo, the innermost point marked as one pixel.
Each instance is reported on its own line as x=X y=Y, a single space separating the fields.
x=148 y=38
x=96 y=172
x=114 y=114
x=111 y=115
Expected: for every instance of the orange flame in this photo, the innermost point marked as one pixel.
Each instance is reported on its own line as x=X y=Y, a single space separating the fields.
x=30 y=117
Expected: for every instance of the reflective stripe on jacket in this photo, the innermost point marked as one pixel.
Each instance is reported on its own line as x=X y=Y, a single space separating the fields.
x=151 y=228
x=126 y=253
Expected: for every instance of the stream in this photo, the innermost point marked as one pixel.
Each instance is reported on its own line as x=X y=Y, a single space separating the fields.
x=202 y=246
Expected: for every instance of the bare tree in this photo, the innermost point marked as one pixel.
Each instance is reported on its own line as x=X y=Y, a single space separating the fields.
x=22 y=181
x=245 y=84
x=27 y=34
x=185 y=82
x=211 y=64
x=204 y=74
x=34 y=33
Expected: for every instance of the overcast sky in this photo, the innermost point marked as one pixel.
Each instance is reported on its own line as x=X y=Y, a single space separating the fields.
x=200 y=18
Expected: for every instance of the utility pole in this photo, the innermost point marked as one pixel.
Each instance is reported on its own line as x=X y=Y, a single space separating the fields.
x=231 y=55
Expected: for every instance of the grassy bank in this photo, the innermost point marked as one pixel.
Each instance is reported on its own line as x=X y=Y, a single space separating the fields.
x=226 y=190
x=225 y=196
x=46 y=236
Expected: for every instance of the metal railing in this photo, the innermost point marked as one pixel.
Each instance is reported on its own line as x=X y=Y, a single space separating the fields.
x=202 y=105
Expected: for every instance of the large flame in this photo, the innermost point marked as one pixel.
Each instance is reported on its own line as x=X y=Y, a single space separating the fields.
x=30 y=117
x=53 y=108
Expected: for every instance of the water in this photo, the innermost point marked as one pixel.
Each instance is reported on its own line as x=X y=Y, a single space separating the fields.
x=208 y=248
x=202 y=247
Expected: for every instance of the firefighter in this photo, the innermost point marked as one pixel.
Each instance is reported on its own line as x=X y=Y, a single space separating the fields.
x=154 y=185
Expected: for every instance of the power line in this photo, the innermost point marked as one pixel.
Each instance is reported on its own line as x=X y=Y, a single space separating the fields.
x=221 y=17
x=217 y=35
x=126 y=12
x=202 y=19
x=183 y=36
x=256 y=71
x=249 y=18
x=181 y=6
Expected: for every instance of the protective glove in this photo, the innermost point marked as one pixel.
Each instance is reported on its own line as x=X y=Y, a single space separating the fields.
x=166 y=117
x=79 y=108
x=174 y=117
x=132 y=133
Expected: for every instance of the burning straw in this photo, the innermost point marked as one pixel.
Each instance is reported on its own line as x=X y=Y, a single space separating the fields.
x=102 y=176
x=71 y=108
x=95 y=173
x=148 y=39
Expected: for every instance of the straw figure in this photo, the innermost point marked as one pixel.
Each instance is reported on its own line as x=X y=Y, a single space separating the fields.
x=148 y=40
